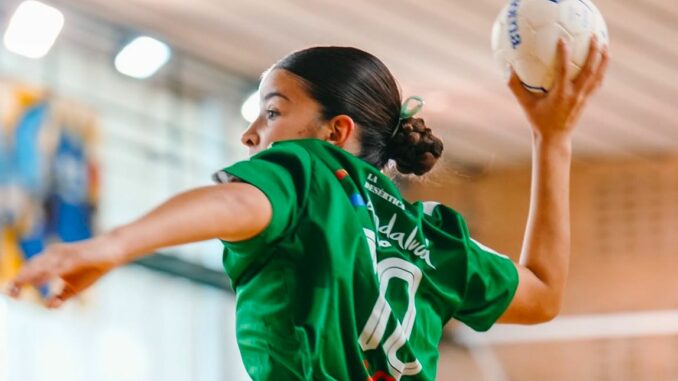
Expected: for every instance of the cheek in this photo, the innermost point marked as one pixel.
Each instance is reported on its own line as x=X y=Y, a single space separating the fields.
x=312 y=127
x=293 y=129
x=275 y=131
x=310 y=131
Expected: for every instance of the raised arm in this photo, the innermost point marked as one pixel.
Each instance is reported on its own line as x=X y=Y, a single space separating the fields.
x=545 y=255
x=232 y=212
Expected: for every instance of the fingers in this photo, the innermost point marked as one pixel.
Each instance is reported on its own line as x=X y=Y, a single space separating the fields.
x=63 y=262
x=517 y=88
x=602 y=68
x=14 y=290
x=562 y=68
x=74 y=283
x=599 y=73
x=66 y=293
x=36 y=273
x=45 y=267
x=41 y=271
x=591 y=61
x=587 y=77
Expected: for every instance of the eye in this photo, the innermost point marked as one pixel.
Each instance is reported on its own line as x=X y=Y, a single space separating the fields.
x=272 y=114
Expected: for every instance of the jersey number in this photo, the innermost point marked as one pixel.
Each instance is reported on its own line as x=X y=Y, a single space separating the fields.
x=375 y=328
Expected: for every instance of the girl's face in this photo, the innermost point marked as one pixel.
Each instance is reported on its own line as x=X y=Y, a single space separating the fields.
x=286 y=112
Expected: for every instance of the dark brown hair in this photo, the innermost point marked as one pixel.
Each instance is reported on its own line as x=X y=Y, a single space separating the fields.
x=352 y=82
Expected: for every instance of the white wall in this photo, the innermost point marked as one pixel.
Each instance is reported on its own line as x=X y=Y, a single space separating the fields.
x=135 y=325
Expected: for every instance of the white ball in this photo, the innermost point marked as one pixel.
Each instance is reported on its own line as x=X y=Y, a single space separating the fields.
x=526 y=33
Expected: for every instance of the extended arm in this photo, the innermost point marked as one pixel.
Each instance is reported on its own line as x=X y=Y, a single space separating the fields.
x=544 y=259
x=232 y=212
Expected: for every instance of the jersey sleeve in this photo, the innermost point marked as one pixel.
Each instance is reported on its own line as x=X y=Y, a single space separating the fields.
x=283 y=174
x=491 y=282
x=483 y=281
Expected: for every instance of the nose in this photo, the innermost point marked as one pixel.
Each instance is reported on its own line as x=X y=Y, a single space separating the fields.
x=250 y=138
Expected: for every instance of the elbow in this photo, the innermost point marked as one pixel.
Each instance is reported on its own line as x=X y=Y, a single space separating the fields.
x=549 y=314
x=549 y=309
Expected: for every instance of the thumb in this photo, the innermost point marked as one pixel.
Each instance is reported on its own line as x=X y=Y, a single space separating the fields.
x=67 y=292
x=75 y=283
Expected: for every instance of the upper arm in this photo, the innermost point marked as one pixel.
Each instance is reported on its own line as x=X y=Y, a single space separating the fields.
x=278 y=179
x=252 y=208
x=532 y=302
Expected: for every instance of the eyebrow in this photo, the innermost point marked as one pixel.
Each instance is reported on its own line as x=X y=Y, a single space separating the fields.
x=276 y=94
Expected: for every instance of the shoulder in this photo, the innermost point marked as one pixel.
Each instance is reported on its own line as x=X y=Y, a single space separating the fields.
x=282 y=160
x=436 y=211
x=443 y=218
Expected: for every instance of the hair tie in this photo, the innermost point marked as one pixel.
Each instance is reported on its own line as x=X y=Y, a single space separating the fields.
x=406 y=112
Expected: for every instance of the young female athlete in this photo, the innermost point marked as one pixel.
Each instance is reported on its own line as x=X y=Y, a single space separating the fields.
x=338 y=277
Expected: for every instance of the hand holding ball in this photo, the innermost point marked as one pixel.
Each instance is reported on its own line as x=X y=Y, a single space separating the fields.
x=526 y=33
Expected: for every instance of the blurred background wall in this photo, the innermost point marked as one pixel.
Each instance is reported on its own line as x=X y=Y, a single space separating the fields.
x=138 y=324
x=619 y=319
x=167 y=133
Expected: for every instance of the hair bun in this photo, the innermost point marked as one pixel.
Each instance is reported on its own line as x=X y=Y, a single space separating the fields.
x=414 y=148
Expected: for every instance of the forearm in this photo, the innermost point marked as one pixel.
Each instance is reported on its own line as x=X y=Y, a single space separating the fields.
x=545 y=256
x=546 y=245
x=232 y=212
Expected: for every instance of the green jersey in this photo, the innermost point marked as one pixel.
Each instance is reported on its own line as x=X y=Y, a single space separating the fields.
x=349 y=281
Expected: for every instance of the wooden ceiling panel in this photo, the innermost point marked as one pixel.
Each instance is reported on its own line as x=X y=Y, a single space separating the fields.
x=439 y=49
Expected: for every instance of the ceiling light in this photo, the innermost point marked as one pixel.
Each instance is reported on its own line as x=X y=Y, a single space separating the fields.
x=33 y=29
x=142 y=57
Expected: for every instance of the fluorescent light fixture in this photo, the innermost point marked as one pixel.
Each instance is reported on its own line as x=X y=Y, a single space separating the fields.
x=33 y=29
x=250 y=109
x=142 y=57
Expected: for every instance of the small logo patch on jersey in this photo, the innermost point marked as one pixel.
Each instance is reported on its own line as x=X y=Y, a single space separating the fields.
x=357 y=200
x=341 y=174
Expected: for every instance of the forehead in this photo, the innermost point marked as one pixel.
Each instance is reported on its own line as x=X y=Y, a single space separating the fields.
x=284 y=82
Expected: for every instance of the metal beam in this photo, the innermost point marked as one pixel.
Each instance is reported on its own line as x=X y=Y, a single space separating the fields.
x=178 y=267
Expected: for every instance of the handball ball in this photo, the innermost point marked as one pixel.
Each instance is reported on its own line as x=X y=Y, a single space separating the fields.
x=526 y=32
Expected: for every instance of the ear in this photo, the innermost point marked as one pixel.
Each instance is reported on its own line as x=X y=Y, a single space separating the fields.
x=341 y=128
